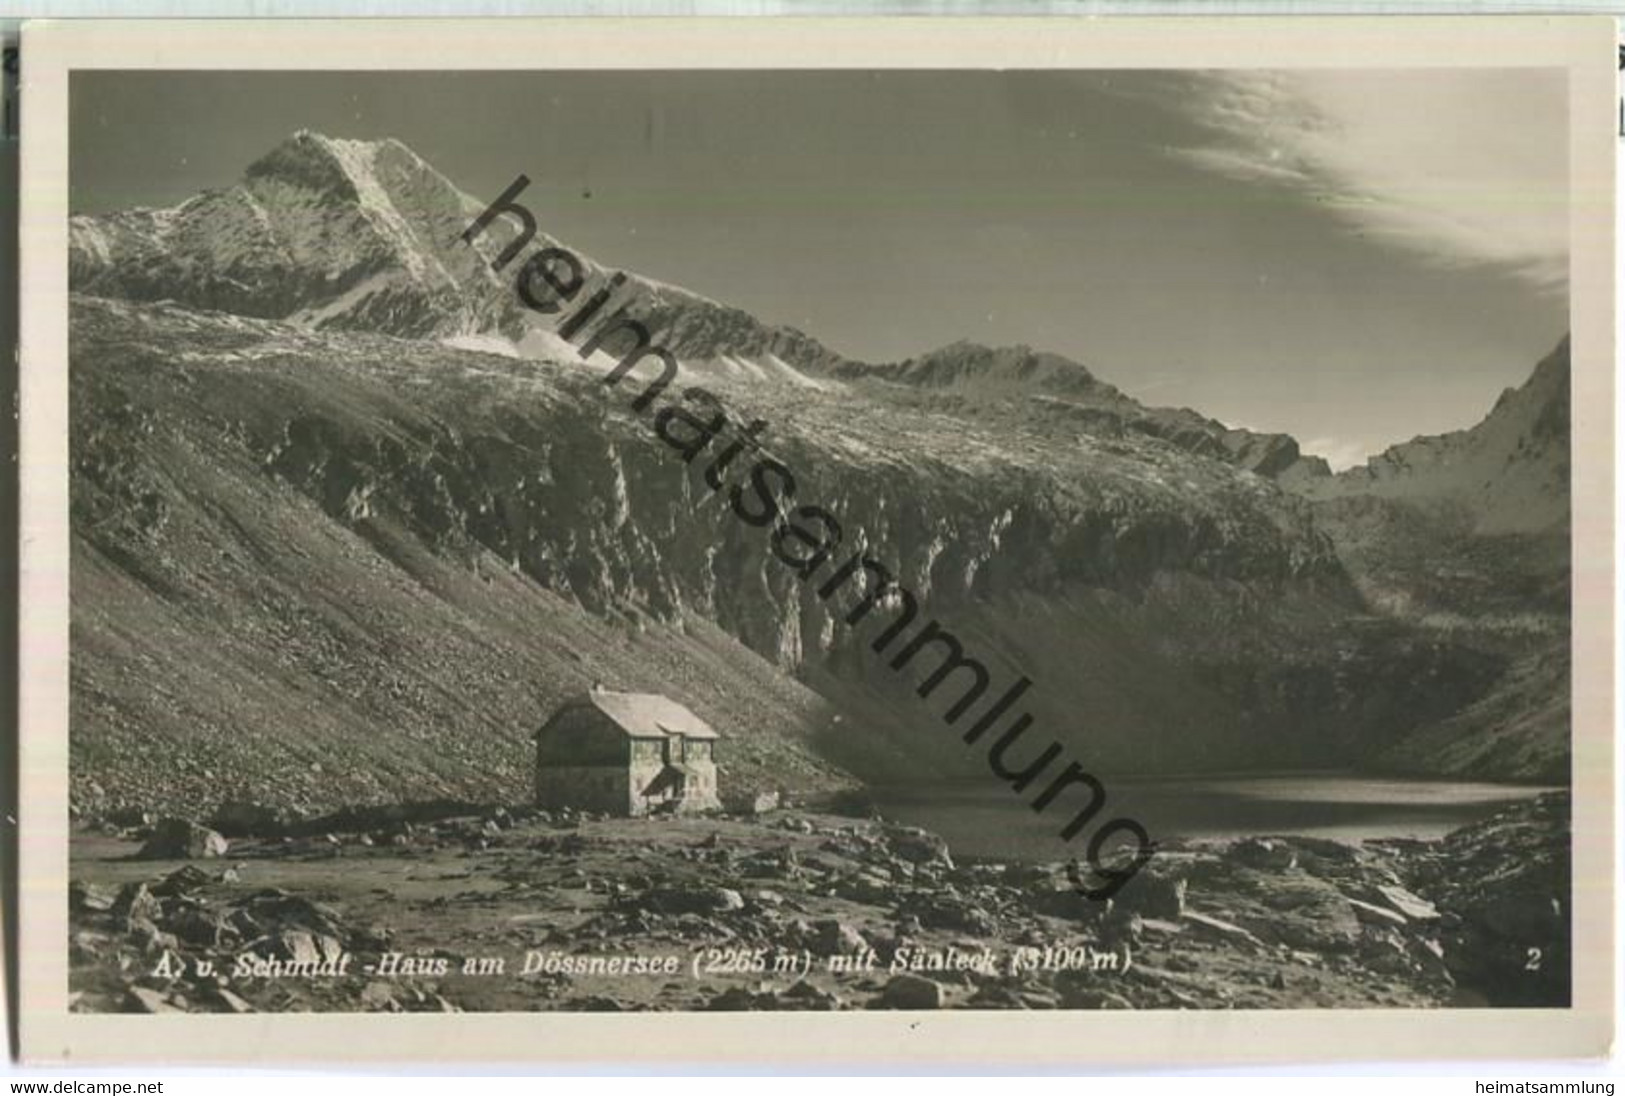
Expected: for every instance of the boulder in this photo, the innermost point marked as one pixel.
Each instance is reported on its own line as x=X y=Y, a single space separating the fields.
x=692 y=926
x=1221 y=928
x=90 y=896
x=910 y=991
x=1330 y=849
x=1413 y=906
x=130 y=818
x=153 y=940
x=995 y=995
x=183 y=880
x=808 y=997
x=950 y=914
x=182 y=839
x=379 y=997
x=199 y=925
x=1063 y=902
x=143 y=999
x=740 y=999
x=1301 y=911
x=229 y=1001
x=1122 y=926
x=1384 y=951
x=1078 y=993
x=725 y=900
x=88 y=947
x=864 y=886
x=1268 y=853
x=1521 y=916
x=593 y=1003
x=270 y=911
x=1369 y=914
x=305 y=947
x=918 y=846
x=691 y=899
x=136 y=905
x=771 y=864
x=1152 y=895
x=833 y=937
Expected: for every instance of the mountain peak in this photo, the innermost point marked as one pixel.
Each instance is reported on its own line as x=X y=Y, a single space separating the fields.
x=322 y=231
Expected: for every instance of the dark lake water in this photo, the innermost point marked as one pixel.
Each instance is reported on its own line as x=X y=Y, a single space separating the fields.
x=985 y=820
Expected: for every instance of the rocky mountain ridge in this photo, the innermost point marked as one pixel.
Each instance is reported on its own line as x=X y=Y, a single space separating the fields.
x=1509 y=473
x=970 y=373
x=312 y=457
x=1467 y=534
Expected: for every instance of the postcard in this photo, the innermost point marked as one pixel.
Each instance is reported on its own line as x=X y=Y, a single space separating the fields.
x=1023 y=541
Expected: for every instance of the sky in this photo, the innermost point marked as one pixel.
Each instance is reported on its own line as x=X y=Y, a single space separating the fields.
x=1354 y=257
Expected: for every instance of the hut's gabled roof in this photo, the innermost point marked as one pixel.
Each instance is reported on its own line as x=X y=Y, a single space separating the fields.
x=647 y=715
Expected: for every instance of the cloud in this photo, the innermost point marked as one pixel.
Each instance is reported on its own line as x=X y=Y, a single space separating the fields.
x=1459 y=167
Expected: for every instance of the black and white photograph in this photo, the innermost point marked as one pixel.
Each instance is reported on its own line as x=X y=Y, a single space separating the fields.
x=684 y=540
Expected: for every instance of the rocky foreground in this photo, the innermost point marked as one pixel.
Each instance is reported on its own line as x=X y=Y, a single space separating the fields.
x=443 y=908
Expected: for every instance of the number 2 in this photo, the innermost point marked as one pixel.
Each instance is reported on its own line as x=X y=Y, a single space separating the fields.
x=1533 y=962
